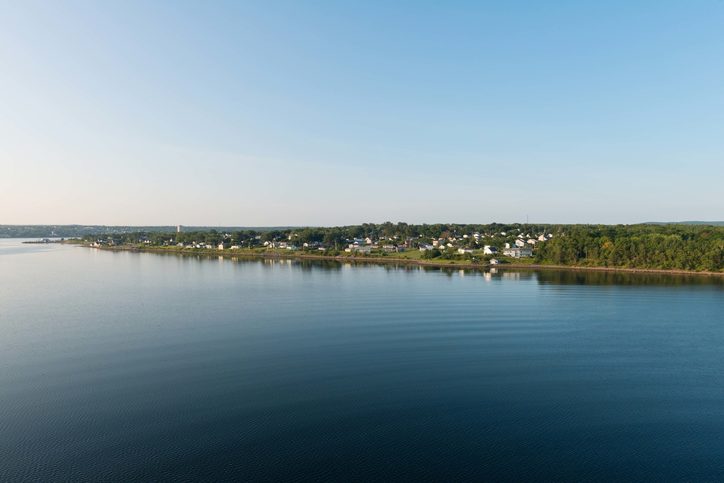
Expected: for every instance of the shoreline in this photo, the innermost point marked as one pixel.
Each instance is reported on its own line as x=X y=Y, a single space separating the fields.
x=402 y=261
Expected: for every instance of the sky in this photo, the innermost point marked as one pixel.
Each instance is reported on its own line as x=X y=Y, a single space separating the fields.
x=331 y=113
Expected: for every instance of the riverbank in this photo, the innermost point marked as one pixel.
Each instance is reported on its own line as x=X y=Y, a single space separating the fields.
x=392 y=260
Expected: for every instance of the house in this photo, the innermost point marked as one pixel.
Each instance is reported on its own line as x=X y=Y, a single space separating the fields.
x=519 y=243
x=490 y=250
x=221 y=246
x=463 y=251
x=518 y=252
x=494 y=261
x=531 y=241
x=542 y=238
x=426 y=247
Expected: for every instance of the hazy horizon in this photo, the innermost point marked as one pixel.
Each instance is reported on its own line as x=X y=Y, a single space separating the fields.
x=235 y=226
x=290 y=114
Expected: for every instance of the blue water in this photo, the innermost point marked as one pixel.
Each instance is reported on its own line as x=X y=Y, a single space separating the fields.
x=123 y=366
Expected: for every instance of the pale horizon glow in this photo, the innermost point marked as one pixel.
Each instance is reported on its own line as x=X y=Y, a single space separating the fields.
x=300 y=114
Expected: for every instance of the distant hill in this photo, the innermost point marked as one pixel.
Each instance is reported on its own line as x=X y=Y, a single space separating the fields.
x=713 y=223
x=68 y=231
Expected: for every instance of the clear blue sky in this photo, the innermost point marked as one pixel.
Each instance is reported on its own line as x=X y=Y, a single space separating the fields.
x=325 y=113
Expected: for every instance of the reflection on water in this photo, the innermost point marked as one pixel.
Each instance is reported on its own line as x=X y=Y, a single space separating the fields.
x=584 y=277
x=544 y=276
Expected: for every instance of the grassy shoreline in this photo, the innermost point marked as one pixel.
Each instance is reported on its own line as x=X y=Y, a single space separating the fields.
x=394 y=260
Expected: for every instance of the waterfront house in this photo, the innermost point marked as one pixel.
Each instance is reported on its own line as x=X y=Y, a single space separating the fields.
x=490 y=250
x=518 y=252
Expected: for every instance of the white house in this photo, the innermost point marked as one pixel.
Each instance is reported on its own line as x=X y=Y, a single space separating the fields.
x=519 y=243
x=489 y=250
x=463 y=251
x=518 y=252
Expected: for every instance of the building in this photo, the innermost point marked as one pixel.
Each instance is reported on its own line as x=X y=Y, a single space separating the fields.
x=490 y=250
x=178 y=228
x=518 y=252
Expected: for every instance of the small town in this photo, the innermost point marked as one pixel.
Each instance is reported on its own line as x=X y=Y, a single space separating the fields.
x=490 y=246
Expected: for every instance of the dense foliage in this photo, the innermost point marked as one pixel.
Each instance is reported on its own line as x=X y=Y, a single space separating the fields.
x=685 y=247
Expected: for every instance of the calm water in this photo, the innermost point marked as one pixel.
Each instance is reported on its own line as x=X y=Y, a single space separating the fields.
x=120 y=366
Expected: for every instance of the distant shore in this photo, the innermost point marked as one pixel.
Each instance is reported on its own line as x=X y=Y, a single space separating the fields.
x=461 y=264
